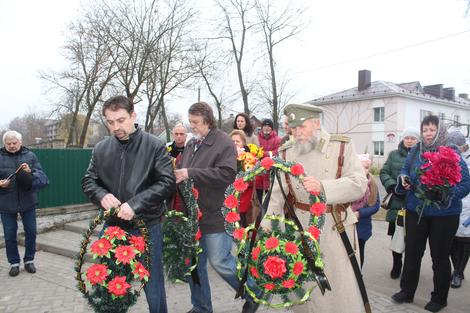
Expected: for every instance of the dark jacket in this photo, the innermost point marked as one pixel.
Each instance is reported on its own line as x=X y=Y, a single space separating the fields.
x=213 y=168
x=14 y=198
x=364 y=224
x=454 y=207
x=138 y=172
x=388 y=176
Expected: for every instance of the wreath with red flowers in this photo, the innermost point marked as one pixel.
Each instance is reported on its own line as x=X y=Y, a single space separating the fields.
x=182 y=235
x=276 y=263
x=107 y=284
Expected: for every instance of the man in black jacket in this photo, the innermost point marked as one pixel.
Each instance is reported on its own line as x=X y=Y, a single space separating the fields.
x=131 y=170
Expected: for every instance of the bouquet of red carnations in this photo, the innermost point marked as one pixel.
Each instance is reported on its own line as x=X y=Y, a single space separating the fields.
x=440 y=172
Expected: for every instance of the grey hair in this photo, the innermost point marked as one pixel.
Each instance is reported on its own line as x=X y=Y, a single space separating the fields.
x=11 y=134
x=180 y=125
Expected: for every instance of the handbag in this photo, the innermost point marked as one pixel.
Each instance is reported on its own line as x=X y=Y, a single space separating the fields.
x=397 y=244
x=386 y=201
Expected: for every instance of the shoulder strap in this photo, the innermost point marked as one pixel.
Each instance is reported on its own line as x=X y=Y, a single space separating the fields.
x=340 y=159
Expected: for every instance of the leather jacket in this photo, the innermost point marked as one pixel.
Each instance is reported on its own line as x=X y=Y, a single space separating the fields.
x=138 y=172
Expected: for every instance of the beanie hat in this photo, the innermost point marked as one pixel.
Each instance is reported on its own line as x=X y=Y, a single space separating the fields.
x=411 y=132
x=456 y=138
x=267 y=122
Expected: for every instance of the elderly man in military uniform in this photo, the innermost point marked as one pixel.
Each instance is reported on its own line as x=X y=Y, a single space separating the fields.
x=318 y=152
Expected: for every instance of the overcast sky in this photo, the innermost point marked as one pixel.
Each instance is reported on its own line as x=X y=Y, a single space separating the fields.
x=343 y=36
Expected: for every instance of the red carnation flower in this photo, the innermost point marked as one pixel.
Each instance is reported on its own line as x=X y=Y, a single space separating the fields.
x=267 y=163
x=198 y=235
x=125 y=254
x=318 y=208
x=199 y=215
x=97 y=274
x=118 y=286
x=289 y=283
x=297 y=169
x=232 y=217
x=291 y=248
x=269 y=286
x=240 y=185
x=271 y=243
x=275 y=267
x=187 y=261
x=138 y=242
x=254 y=272
x=255 y=253
x=140 y=271
x=101 y=247
x=315 y=193
x=315 y=232
x=115 y=232
x=298 y=268
x=195 y=193
x=231 y=202
x=239 y=233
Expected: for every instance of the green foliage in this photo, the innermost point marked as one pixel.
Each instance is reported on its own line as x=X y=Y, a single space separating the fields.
x=181 y=247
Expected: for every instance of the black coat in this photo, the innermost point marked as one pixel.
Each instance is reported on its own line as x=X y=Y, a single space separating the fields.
x=138 y=172
x=21 y=194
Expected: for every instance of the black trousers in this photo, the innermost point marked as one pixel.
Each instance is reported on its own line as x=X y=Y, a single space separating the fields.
x=440 y=230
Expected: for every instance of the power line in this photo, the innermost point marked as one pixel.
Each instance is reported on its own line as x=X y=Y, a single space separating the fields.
x=383 y=52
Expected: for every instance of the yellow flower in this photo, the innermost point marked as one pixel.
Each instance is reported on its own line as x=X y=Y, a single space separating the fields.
x=169 y=148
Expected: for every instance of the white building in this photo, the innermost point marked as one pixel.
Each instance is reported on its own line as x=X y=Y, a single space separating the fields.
x=375 y=113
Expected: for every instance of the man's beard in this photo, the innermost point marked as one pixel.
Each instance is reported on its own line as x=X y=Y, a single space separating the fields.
x=196 y=136
x=306 y=147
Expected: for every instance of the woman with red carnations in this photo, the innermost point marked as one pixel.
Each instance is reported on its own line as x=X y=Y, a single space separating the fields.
x=435 y=179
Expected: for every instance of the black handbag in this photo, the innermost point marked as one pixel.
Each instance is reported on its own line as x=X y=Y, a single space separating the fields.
x=386 y=201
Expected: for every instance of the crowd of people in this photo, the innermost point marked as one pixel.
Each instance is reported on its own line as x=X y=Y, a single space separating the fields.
x=144 y=175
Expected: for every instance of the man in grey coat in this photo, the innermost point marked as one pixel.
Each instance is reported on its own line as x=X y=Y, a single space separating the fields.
x=210 y=159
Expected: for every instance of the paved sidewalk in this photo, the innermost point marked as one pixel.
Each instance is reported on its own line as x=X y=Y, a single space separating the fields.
x=52 y=289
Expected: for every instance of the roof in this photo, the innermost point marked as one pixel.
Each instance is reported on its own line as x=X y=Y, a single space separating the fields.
x=381 y=89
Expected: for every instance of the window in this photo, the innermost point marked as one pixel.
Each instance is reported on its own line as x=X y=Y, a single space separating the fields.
x=424 y=113
x=379 y=148
x=456 y=120
x=379 y=114
x=442 y=117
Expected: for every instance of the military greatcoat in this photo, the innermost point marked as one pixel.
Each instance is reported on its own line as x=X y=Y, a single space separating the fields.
x=322 y=163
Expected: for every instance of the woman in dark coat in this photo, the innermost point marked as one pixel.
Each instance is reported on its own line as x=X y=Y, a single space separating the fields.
x=438 y=221
x=388 y=177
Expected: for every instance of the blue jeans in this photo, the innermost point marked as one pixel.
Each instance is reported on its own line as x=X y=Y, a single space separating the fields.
x=10 y=229
x=217 y=248
x=155 y=287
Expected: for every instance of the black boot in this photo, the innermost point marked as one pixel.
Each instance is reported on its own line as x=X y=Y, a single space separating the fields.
x=397 y=264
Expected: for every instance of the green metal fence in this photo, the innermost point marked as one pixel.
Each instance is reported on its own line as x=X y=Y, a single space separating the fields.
x=65 y=169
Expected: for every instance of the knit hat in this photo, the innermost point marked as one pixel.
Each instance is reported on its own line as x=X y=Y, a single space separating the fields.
x=456 y=137
x=411 y=132
x=267 y=122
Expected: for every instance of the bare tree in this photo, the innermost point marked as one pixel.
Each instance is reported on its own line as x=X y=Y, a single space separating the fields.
x=130 y=31
x=209 y=70
x=171 y=61
x=277 y=23
x=31 y=126
x=236 y=25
